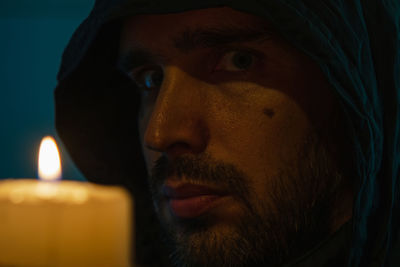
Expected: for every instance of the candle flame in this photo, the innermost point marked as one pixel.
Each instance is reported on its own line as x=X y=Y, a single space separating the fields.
x=49 y=160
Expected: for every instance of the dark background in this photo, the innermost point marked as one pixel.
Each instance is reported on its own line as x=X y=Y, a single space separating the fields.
x=33 y=36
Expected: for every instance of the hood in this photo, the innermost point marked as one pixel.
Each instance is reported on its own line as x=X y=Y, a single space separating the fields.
x=355 y=43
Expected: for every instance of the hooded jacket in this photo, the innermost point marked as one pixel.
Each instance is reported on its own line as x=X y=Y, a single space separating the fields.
x=356 y=45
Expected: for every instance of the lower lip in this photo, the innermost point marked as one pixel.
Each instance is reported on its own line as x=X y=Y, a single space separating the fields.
x=193 y=206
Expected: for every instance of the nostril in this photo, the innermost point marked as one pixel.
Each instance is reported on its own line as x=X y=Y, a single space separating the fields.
x=153 y=148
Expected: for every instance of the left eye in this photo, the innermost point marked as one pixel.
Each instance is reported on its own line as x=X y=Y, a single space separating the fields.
x=148 y=79
x=236 y=61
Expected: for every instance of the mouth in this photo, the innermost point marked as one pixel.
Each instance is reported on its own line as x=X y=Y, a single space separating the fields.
x=191 y=200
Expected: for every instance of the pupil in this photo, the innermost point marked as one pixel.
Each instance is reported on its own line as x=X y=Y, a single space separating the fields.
x=242 y=60
x=153 y=79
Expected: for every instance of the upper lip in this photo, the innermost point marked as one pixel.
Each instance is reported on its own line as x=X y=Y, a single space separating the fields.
x=188 y=190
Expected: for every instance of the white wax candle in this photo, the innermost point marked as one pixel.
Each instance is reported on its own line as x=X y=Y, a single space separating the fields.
x=64 y=223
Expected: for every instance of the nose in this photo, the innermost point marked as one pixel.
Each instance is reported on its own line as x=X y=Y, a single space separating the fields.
x=177 y=123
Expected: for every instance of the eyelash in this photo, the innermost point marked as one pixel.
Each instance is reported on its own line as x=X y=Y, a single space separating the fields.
x=140 y=80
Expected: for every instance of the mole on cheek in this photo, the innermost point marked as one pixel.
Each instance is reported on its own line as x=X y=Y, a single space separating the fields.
x=269 y=112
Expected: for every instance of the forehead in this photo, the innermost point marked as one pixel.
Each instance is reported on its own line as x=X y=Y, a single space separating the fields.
x=150 y=31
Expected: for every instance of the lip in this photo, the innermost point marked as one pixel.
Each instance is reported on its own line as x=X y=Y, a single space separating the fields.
x=190 y=200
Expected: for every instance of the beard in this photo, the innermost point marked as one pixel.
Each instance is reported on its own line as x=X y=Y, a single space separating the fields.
x=297 y=216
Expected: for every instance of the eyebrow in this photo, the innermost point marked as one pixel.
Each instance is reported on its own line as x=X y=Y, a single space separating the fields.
x=189 y=40
x=192 y=39
x=136 y=58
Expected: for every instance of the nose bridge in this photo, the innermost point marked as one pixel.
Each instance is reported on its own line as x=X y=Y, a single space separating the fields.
x=177 y=122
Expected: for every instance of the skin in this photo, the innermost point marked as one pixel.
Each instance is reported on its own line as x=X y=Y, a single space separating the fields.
x=266 y=134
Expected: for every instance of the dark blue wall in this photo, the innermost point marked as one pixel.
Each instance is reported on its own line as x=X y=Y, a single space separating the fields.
x=33 y=36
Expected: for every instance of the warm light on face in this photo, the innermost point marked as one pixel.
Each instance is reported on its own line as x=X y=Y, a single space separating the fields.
x=49 y=160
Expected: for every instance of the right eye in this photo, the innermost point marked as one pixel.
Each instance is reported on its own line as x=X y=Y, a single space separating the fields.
x=148 y=79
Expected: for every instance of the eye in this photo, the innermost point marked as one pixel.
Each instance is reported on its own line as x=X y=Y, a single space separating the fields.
x=148 y=79
x=236 y=61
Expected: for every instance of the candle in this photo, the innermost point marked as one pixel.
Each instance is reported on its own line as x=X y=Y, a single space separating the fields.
x=63 y=223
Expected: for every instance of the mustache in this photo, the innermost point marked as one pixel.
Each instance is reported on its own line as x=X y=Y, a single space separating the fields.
x=200 y=169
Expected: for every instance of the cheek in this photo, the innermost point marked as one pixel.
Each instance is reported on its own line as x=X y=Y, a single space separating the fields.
x=149 y=156
x=264 y=135
x=278 y=149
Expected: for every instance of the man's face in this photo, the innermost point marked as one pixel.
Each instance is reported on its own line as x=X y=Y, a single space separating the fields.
x=235 y=126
